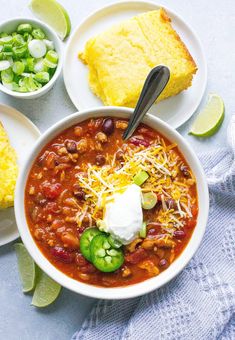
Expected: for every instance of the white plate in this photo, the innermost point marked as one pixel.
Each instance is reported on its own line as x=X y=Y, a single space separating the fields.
x=22 y=134
x=176 y=110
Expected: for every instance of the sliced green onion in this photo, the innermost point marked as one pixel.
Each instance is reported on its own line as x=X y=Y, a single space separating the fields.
x=31 y=84
x=140 y=177
x=52 y=56
x=30 y=64
x=20 y=52
x=51 y=71
x=37 y=48
x=40 y=66
x=26 y=74
x=149 y=200
x=18 y=40
x=38 y=34
x=49 y=44
x=42 y=77
x=7 y=75
x=6 y=40
x=143 y=231
x=24 y=28
x=5 y=55
x=7 y=48
x=18 y=67
x=28 y=37
x=4 y=65
x=49 y=64
x=13 y=86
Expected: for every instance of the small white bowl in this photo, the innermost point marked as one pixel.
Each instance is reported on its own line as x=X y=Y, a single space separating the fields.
x=10 y=26
x=131 y=290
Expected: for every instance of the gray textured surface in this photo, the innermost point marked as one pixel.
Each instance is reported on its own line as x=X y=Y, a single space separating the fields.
x=215 y=24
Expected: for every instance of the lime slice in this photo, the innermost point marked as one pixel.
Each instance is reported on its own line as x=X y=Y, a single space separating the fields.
x=46 y=291
x=210 y=118
x=51 y=12
x=26 y=267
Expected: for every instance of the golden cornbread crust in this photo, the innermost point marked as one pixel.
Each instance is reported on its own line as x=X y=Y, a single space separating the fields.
x=8 y=170
x=120 y=58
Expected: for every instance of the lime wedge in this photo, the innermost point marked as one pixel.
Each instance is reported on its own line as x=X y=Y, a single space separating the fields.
x=51 y=12
x=46 y=291
x=26 y=267
x=210 y=118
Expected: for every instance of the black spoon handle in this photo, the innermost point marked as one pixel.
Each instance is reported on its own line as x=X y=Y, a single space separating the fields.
x=153 y=87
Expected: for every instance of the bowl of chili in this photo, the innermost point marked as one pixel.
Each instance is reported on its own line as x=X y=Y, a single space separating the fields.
x=109 y=218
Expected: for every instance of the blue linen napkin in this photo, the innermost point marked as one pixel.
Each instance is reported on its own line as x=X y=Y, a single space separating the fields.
x=200 y=302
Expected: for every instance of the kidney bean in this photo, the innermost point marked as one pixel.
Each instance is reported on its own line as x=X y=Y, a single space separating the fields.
x=78 y=192
x=120 y=155
x=51 y=190
x=51 y=160
x=108 y=126
x=163 y=263
x=137 y=256
x=179 y=234
x=171 y=204
x=100 y=159
x=139 y=141
x=185 y=170
x=62 y=255
x=71 y=146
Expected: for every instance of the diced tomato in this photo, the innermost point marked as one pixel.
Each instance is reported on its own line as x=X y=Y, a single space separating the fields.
x=137 y=256
x=51 y=190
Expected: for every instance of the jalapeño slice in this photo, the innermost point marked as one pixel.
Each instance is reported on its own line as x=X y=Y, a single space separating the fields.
x=105 y=257
x=85 y=241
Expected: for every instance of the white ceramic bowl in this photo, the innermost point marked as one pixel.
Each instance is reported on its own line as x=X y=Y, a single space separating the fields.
x=139 y=288
x=10 y=26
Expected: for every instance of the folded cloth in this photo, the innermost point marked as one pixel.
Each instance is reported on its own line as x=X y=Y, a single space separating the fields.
x=200 y=302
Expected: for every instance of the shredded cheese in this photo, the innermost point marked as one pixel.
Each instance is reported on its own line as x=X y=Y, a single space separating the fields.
x=162 y=164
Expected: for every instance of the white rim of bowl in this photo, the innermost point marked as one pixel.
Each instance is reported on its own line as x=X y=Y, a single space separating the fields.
x=124 y=2
x=59 y=66
x=128 y=291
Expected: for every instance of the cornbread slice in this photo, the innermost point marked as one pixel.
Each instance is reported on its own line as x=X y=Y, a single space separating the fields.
x=8 y=170
x=120 y=59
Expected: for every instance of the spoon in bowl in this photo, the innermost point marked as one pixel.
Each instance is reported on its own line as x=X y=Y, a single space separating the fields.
x=154 y=84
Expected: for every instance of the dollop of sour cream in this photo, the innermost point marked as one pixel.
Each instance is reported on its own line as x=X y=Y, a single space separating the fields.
x=124 y=216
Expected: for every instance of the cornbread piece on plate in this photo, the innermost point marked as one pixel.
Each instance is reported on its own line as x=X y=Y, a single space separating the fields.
x=120 y=58
x=8 y=170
